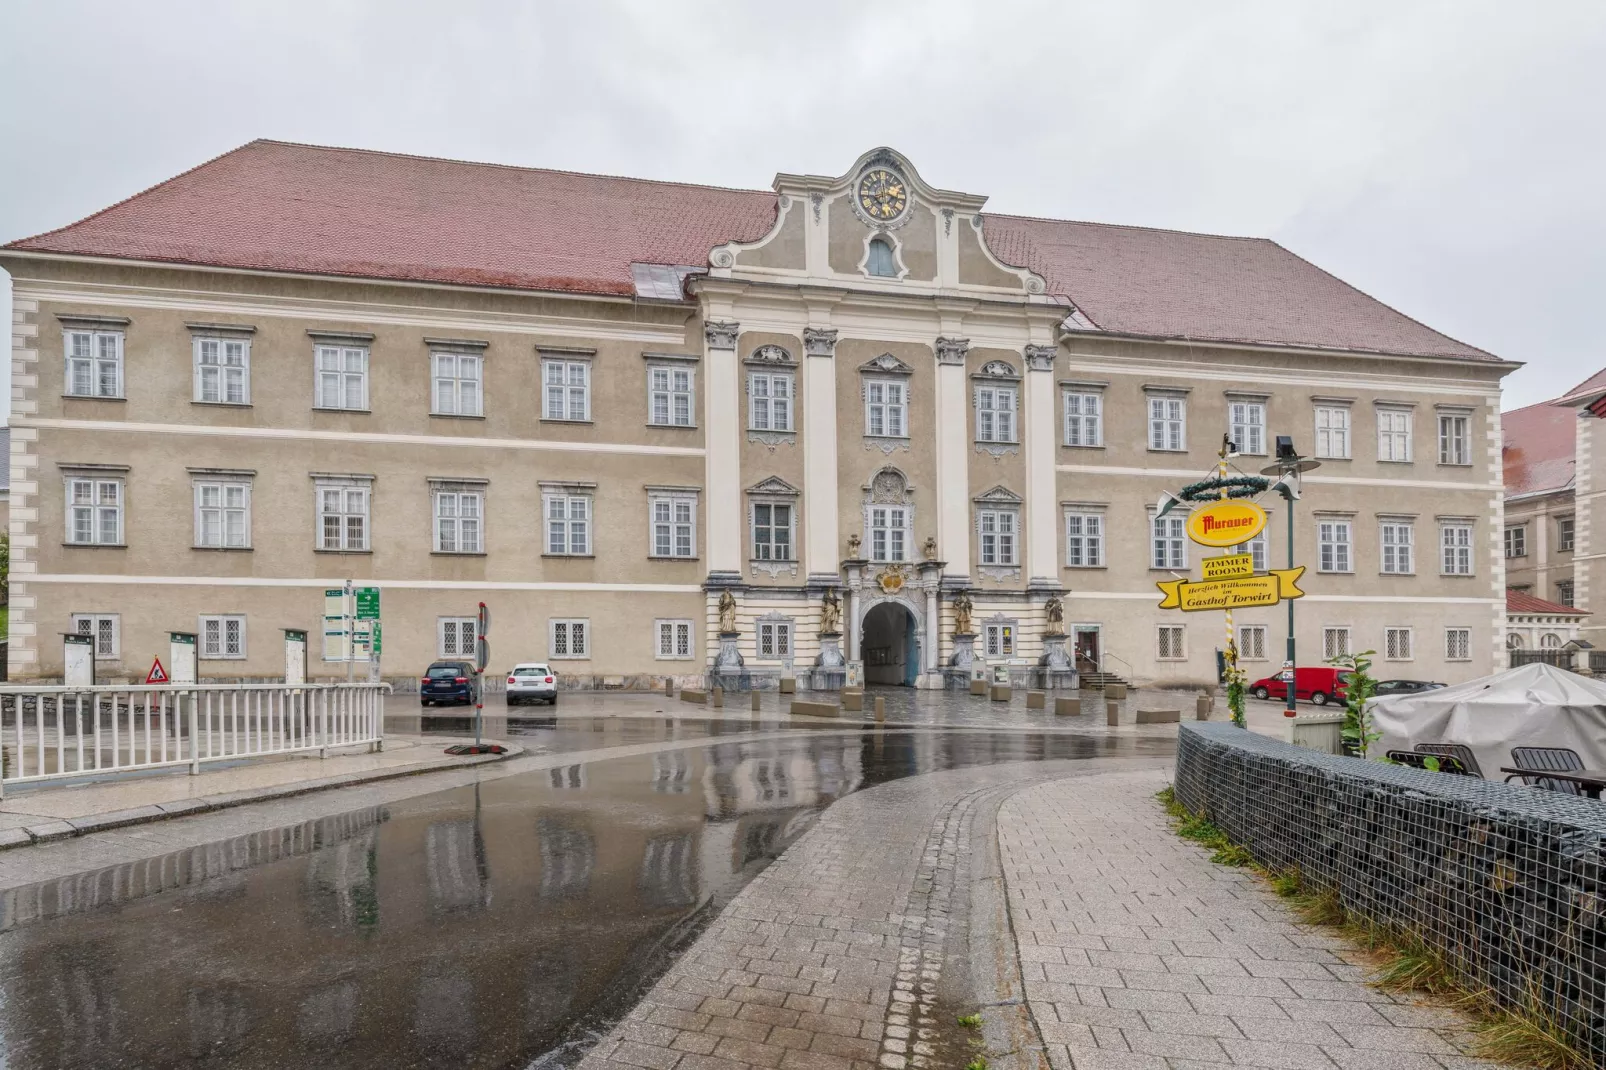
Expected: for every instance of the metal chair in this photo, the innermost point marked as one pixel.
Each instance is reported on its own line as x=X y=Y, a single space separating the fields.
x=1459 y=751
x=1417 y=760
x=1553 y=759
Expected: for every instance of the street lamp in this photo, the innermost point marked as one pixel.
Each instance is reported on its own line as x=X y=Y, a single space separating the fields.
x=1289 y=467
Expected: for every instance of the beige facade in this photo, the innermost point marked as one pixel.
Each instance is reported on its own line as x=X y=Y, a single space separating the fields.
x=927 y=402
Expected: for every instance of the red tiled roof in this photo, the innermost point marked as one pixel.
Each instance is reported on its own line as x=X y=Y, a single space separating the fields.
x=274 y=206
x=1538 y=441
x=1523 y=602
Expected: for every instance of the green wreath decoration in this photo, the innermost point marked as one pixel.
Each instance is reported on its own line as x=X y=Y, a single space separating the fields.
x=1209 y=490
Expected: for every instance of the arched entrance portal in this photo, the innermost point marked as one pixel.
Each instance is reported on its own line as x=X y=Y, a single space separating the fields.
x=890 y=645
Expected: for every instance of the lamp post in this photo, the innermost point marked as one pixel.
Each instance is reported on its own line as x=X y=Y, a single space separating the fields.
x=1289 y=467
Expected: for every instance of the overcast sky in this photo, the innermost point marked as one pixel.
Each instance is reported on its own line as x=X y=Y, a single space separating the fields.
x=1445 y=157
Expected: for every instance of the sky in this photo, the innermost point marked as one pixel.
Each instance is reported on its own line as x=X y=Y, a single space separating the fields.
x=1444 y=157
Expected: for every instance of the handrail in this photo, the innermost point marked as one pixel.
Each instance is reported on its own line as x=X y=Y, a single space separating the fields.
x=66 y=689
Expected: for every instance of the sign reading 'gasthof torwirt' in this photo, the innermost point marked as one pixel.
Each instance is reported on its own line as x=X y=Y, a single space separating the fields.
x=1191 y=596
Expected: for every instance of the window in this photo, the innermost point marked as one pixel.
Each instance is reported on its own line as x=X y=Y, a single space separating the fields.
x=674 y=639
x=1564 y=533
x=879 y=260
x=1513 y=641
x=222 y=637
x=1397 y=644
x=674 y=525
x=570 y=638
x=342 y=377
x=1332 y=431
x=1455 y=542
x=1455 y=439
x=106 y=629
x=458 y=384
x=888 y=532
x=223 y=370
x=995 y=413
x=222 y=514
x=998 y=542
x=1398 y=538
x=459 y=520
x=1335 y=643
x=568 y=525
x=769 y=401
x=1170 y=643
x=1166 y=423
x=95 y=364
x=886 y=408
x=1333 y=546
x=1084 y=419
x=1564 y=592
x=669 y=396
x=1550 y=641
x=1458 y=644
x=1084 y=540
x=1252 y=642
x=566 y=385
x=774 y=638
x=1248 y=425
x=1256 y=549
x=772 y=531
x=456 y=636
x=94 y=511
x=342 y=516
x=1168 y=542
x=1517 y=541
x=999 y=640
x=1394 y=434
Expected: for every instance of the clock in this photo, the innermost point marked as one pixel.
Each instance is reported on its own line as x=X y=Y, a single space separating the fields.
x=882 y=195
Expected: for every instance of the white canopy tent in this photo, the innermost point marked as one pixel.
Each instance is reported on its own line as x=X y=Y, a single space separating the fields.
x=1534 y=705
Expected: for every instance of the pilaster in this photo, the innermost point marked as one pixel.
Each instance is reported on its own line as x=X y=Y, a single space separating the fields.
x=722 y=417
x=953 y=461
x=820 y=521
x=1039 y=433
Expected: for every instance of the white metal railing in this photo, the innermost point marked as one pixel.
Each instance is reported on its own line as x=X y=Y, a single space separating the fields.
x=48 y=733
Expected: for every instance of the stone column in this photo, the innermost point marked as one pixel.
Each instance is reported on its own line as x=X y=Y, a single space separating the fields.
x=821 y=556
x=1039 y=435
x=722 y=421
x=953 y=459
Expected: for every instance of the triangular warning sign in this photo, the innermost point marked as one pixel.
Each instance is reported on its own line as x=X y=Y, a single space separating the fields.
x=157 y=675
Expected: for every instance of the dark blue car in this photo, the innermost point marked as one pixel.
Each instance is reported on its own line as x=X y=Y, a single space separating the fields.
x=449 y=683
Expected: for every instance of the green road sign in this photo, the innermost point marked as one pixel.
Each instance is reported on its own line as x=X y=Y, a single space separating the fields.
x=368 y=603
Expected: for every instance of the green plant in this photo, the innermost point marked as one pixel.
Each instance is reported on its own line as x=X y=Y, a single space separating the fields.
x=1359 y=686
x=970 y=1021
x=978 y=1063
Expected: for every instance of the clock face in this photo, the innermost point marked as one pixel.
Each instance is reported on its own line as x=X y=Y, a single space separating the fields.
x=882 y=195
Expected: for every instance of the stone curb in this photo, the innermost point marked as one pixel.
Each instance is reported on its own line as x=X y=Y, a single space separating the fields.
x=65 y=828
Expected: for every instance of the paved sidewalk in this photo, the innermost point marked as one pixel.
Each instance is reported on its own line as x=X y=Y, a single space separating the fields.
x=1138 y=953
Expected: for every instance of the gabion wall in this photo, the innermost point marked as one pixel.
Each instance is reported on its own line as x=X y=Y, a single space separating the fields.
x=1508 y=881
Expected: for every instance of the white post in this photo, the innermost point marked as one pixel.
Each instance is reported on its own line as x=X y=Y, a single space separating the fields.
x=953 y=457
x=821 y=556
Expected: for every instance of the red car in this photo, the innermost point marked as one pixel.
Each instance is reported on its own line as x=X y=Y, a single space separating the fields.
x=1319 y=683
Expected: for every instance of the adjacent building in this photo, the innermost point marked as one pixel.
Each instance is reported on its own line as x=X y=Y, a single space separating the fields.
x=601 y=404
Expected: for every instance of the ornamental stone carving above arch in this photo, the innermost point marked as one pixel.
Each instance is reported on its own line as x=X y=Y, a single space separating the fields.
x=771 y=355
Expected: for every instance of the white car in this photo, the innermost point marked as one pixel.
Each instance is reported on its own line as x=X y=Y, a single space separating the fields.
x=532 y=681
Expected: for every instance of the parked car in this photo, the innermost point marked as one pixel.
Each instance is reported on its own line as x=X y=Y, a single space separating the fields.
x=532 y=681
x=1405 y=687
x=447 y=683
x=1319 y=683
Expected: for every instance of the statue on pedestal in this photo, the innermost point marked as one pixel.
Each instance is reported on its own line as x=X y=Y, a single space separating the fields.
x=1055 y=609
x=727 y=613
x=931 y=548
x=831 y=613
x=853 y=546
x=962 y=609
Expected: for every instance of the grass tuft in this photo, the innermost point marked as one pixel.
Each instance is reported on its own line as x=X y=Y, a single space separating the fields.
x=970 y=1021
x=978 y=1063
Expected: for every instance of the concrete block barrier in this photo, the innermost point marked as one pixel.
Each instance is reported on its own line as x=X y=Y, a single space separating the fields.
x=805 y=708
x=1000 y=692
x=1068 y=707
x=688 y=694
x=1112 y=713
x=1036 y=700
x=788 y=685
x=852 y=700
x=1159 y=717
x=978 y=687
x=1115 y=691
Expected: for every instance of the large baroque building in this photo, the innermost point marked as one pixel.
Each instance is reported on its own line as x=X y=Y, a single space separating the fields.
x=600 y=404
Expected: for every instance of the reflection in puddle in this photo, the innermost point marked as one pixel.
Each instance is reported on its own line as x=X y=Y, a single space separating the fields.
x=486 y=926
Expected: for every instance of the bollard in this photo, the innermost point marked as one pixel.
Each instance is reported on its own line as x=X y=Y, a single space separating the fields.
x=719 y=697
x=669 y=687
x=880 y=708
x=1068 y=707
x=1202 y=707
x=1112 y=713
x=755 y=701
x=1036 y=700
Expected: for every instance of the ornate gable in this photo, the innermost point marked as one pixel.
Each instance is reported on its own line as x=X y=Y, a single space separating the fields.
x=886 y=364
x=774 y=486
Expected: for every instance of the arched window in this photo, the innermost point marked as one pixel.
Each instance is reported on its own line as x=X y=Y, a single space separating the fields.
x=1513 y=641
x=1550 y=641
x=881 y=261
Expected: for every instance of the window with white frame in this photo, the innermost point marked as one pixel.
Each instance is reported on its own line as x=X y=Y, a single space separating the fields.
x=886 y=408
x=774 y=638
x=1168 y=542
x=223 y=513
x=94 y=510
x=1167 y=423
x=674 y=640
x=999 y=639
x=1458 y=644
x=1252 y=642
x=769 y=401
x=1247 y=420
x=456 y=636
x=222 y=370
x=343 y=514
x=1334 y=539
x=1084 y=540
x=1335 y=642
x=669 y=395
x=674 y=525
x=1397 y=644
x=105 y=629
x=1394 y=434
x=568 y=524
x=1455 y=438
x=566 y=389
x=1256 y=549
x=995 y=413
x=342 y=377
x=458 y=384
x=1084 y=418
x=889 y=533
x=222 y=637
x=1455 y=544
x=997 y=532
x=772 y=531
x=1398 y=541
x=459 y=518
x=1564 y=533
x=1517 y=541
x=1332 y=431
x=569 y=638
x=94 y=363
x=1171 y=642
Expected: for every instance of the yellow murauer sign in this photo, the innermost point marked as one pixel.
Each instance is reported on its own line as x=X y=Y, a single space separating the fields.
x=1226 y=523
x=1192 y=596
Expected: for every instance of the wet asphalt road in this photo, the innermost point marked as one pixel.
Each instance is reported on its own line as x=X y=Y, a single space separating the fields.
x=505 y=924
